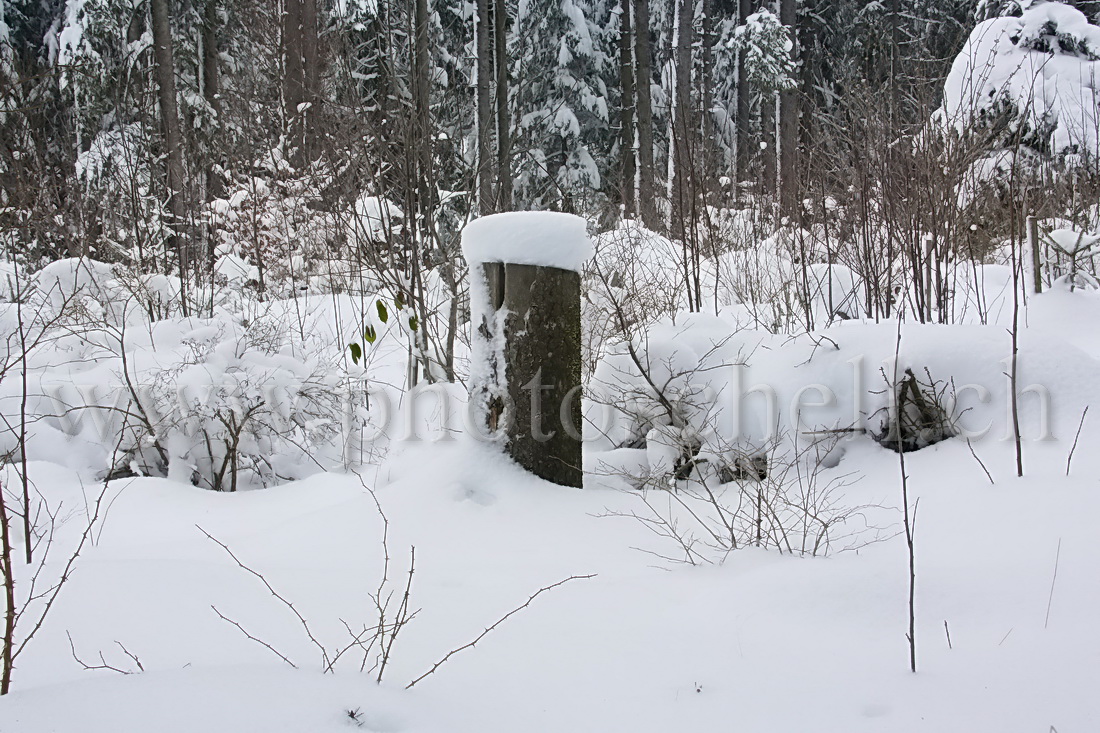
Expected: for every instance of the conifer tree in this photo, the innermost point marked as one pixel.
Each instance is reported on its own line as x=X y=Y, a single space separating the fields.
x=561 y=102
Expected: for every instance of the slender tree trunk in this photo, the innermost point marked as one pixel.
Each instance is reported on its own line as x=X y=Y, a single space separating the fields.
x=644 y=80
x=895 y=60
x=807 y=60
x=211 y=82
x=294 y=78
x=681 y=145
x=767 y=139
x=422 y=139
x=422 y=111
x=8 y=641
x=504 y=120
x=627 y=136
x=211 y=93
x=170 y=124
x=485 y=158
x=744 y=105
x=311 y=77
x=789 y=122
x=707 y=134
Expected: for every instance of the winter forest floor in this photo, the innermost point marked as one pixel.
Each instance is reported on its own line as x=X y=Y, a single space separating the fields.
x=764 y=642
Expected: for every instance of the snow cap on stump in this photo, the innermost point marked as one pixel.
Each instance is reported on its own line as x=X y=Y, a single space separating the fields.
x=539 y=238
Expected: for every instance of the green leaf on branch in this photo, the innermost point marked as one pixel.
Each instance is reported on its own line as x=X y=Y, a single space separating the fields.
x=370 y=335
x=356 y=353
x=399 y=301
x=382 y=314
x=413 y=323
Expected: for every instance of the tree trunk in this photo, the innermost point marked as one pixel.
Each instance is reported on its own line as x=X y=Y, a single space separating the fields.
x=211 y=83
x=627 y=136
x=542 y=331
x=7 y=643
x=294 y=79
x=644 y=80
x=789 y=123
x=767 y=140
x=170 y=124
x=504 y=124
x=422 y=123
x=744 y=106
x=485 y=198
x=311 y=77
x=708 y=159
x=681 y=143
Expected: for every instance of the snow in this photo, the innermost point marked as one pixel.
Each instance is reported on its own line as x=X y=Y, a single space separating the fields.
x=375 y=219
x=644 y=646
x=542 y=238
x=767 y=47
x=736 y=558
x=1072 y=241
x=777 y=640
x=234 y=268
x=1044 y=64
x=234 y=698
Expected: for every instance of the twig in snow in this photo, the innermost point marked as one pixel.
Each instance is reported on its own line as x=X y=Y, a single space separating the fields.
x=133 y=657
x=1050 y=598
x=910 y=522
x=259 y=641
x=357 y=640
x=988 y=475
x=402 y=617
x=499 y=621
x=280 y=598
x=103 y=664
x=1076 y=438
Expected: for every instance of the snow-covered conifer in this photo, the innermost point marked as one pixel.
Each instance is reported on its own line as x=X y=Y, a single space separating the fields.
x=561 y=101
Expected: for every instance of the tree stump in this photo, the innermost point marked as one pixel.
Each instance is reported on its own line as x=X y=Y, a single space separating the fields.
x=527 y=372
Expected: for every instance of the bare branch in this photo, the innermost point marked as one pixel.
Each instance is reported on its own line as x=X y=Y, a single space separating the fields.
x=501 y=620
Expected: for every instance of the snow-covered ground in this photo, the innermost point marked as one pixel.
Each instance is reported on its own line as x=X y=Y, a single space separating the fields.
x=752 y=639
x=762 y=642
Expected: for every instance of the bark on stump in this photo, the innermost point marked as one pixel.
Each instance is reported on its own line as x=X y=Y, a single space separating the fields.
x=542 y=354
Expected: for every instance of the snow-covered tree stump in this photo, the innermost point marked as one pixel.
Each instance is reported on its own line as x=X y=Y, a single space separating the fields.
x=526 y=308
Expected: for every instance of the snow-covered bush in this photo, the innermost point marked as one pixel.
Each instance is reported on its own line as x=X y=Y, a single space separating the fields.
x=636 y=276
x=1027 y=87
x=715 y=472
x=248 y=398
x=271 y=238
x=239 y=410
x=699 y=398
x=779 y=499
x=1072 y=247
